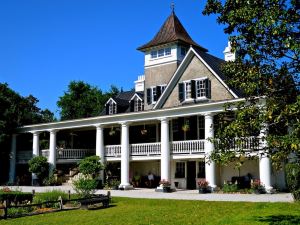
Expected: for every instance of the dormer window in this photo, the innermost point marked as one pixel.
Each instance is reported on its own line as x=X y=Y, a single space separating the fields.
x=111 y=107
x=160 y=53
x=190 y=90
x=136 y=104
x=153 y=93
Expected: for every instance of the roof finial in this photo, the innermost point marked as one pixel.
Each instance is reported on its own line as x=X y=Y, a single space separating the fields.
x=172 y=6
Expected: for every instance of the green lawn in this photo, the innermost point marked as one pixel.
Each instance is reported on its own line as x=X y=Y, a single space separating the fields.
x=152 y=211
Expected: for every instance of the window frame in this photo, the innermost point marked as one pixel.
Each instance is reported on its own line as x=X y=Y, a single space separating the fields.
x=195 y=89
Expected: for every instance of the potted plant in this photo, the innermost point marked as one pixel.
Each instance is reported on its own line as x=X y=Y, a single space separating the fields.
x=202 y=186
x=112 y=132
x=166 y=185
x=114 y=183
x=185 y=127
x=257 y=187
x=144 y=131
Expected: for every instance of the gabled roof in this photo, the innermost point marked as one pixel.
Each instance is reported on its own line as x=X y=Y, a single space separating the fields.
x=211 y=62
x=171 y=31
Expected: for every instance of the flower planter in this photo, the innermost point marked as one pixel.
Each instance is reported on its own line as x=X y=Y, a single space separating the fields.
x=166 y=189
x=203 y=190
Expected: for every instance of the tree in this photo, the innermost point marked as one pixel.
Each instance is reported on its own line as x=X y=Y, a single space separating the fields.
x=90 y=165
x=83 y=100
x=16 y=111
x=40 y=167
x=265 y=36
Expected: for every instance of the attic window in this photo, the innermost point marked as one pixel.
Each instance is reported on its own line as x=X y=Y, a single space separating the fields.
x=153 y=93
x=160 y=53
x=136 y=105
x=199 y=89
x=111 y=108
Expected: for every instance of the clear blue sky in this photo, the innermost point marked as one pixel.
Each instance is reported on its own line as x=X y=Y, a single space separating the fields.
x=45 y=44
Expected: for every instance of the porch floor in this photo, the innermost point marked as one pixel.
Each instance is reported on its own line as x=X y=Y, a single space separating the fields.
x=179 y=194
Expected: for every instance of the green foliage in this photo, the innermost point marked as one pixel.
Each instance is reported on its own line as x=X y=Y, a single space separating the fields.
x=296 y=194
x=85 y=186
x=15 y=212
x=82 y=100
x=293 y=176
x=40 y=166
x=230 y=188
x=52 y=195
x=90 y=165
x=15 y=196
x=265 y=36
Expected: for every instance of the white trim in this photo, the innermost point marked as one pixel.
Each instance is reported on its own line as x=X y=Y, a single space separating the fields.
x=110 y=99
x=163 y=63
x=137 y=96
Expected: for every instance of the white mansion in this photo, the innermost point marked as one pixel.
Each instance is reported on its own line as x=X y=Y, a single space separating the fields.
x=162 y=127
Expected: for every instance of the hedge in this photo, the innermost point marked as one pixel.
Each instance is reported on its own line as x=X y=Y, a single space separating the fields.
x=15 y=196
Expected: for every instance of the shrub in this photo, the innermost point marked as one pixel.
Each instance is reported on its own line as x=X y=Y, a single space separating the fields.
x=49 y=196
x=230 y=188
x=296 y=194
x=15 y=212
x=293 y=176
x=14 y=196
x=85 y=186
x=90 y=165
x=39 y=166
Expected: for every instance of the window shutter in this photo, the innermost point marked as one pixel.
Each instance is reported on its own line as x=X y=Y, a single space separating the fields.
x=149 y=96
x=181 y=92
x=154 y=96
x=193 y=88
x=158 y=92
x=132 y=105
x=107 y=108
x=208 y=88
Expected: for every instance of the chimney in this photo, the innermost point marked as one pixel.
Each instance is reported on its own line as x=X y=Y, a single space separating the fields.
x=228 y=55
x=139 y=83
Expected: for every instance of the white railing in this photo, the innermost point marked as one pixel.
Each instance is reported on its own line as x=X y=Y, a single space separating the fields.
x=247 y=144
x=113 y=150
x=23 y=156
x=74 y=153
x=145 y=149
x=187 y=147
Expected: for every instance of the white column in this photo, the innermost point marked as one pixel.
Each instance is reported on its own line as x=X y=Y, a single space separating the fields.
x=36 y=144
x=265 y=166
x=125 y=150
x=165 y=150
x=100 y=150
x=52 y=149
x=210 y=166
x=12 y=163
x=35 y=151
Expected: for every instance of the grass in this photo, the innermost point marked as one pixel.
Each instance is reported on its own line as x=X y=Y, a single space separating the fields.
x=152 y=211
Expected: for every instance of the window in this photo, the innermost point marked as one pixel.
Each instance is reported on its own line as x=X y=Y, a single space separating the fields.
x=154 y=54
x=160 y=53
x=168 y=51
x=183 y=51
x=138 y=105
x=111 y=107
x=194 y=89
x=180 y=170
x=201 y=127
x=153 y=93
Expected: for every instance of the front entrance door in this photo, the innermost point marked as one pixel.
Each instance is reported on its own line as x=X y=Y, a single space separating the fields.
x=191 y=175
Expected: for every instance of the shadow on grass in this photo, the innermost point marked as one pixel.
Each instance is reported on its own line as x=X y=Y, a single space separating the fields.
x=280 y=219
x=101 y=207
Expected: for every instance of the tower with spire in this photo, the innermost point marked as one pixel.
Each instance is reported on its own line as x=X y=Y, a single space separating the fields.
x=163 y=55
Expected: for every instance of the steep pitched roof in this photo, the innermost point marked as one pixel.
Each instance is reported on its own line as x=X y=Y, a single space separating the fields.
x=214 y=65
x=171 y=31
